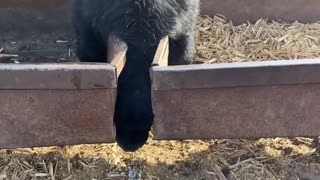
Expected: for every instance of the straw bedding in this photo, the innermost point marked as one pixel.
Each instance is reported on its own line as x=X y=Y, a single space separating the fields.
x=221 y=42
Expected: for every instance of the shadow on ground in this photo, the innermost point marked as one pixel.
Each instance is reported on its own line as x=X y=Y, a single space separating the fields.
x=223 y=159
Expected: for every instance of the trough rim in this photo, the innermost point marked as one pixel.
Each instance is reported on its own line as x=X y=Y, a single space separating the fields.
x=262 y=73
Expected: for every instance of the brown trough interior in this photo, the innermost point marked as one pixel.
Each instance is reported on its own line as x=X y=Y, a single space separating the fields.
x=203 y=108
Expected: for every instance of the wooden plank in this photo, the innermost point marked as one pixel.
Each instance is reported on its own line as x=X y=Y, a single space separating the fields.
x=162 y=53
x=117 y=51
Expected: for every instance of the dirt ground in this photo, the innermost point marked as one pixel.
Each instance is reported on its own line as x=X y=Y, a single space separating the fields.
x=44 y=48
x=220 y=159
x=265 y=159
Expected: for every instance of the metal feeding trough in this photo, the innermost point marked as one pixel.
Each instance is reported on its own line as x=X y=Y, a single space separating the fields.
x=240 y=100
x=59 y=104
x=65 y=104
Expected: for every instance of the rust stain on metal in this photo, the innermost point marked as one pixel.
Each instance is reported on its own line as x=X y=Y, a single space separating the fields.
x=242 y=112
x=76 y=80
x=36 y=118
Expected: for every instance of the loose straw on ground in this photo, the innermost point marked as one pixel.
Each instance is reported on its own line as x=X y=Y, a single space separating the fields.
x=219 y=41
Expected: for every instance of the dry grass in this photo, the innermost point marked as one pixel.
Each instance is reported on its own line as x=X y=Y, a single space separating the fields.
x=265 y=159
x=221 y=42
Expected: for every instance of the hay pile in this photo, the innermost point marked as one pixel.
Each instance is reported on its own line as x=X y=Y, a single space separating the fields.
x=220 y=41
x=265 y=159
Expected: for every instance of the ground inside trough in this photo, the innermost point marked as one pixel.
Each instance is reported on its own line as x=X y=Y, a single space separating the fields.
x=218 y=41
x=41 y=48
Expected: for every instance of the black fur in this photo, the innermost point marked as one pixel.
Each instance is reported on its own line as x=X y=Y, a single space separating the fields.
x=141 y=24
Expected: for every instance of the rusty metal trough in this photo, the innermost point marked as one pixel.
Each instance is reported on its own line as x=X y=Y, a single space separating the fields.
x=65 y=104
x=240 y=100
x=59 y=104
x=52 y=104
